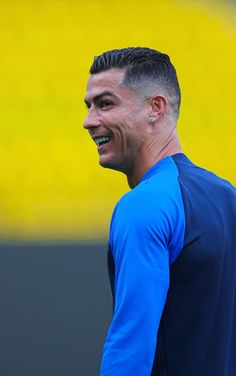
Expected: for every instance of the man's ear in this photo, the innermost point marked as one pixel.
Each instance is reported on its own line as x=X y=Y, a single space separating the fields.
x=158 y=105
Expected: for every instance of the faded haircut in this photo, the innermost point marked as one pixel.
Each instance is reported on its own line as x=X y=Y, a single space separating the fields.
x=147 y=70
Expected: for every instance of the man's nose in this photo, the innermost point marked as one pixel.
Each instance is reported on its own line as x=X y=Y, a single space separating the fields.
x=91 y=120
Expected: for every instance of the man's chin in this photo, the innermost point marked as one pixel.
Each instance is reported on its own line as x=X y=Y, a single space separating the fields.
x=106 y=163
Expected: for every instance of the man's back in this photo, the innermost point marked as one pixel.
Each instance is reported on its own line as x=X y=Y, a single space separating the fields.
x=197 y=333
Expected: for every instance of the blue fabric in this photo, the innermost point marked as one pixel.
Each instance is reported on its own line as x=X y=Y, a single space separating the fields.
x=197 y=332
x=146 y=236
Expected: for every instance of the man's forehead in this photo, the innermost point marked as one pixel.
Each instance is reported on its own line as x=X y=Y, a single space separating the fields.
x=109 y=80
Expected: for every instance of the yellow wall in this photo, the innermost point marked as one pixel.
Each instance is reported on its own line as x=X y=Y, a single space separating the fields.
x=51 y=186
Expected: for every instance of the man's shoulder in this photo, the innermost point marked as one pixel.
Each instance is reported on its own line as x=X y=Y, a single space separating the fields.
x=153 y=211
x=202 y=179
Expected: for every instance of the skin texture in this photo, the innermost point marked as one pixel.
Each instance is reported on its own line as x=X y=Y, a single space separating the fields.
x=116 y=111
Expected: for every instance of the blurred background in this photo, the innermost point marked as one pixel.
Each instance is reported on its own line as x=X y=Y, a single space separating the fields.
x=56 y=201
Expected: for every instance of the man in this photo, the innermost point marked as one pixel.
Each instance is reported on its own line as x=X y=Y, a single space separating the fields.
x=172 y=243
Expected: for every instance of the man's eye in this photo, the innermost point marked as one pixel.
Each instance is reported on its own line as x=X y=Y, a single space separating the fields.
x=105 y=104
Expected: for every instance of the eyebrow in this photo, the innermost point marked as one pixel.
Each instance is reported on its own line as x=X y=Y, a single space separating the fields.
x=99 y=96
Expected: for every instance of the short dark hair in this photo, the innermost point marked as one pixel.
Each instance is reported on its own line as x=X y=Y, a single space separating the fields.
x=142 y=64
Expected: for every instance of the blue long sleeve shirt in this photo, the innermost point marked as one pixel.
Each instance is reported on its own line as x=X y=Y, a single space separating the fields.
x=149 y=232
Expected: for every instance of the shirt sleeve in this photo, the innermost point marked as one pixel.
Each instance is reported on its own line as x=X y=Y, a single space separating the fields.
x=140 y=250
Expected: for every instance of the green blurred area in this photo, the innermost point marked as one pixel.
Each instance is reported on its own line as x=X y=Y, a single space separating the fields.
x=50 y=182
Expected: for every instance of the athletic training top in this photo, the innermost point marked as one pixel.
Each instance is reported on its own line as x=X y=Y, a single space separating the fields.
x=172 y=267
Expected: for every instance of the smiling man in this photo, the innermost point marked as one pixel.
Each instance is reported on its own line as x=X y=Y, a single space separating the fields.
x=171 y=257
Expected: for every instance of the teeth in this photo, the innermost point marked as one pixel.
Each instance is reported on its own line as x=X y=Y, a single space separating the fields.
x=101 y=140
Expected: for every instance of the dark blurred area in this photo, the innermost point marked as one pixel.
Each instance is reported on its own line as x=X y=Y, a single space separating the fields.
x=55 y=309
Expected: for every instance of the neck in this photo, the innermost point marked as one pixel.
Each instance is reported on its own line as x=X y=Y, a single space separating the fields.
x=151 y=155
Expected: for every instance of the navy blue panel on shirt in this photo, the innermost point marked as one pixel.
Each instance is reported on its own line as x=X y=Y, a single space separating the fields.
x=197 y=334
x=172 y=269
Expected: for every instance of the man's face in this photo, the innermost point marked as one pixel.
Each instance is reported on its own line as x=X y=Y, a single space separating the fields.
x=117 y=120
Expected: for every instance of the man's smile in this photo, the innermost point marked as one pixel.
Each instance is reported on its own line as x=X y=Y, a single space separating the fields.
x=102 y=140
